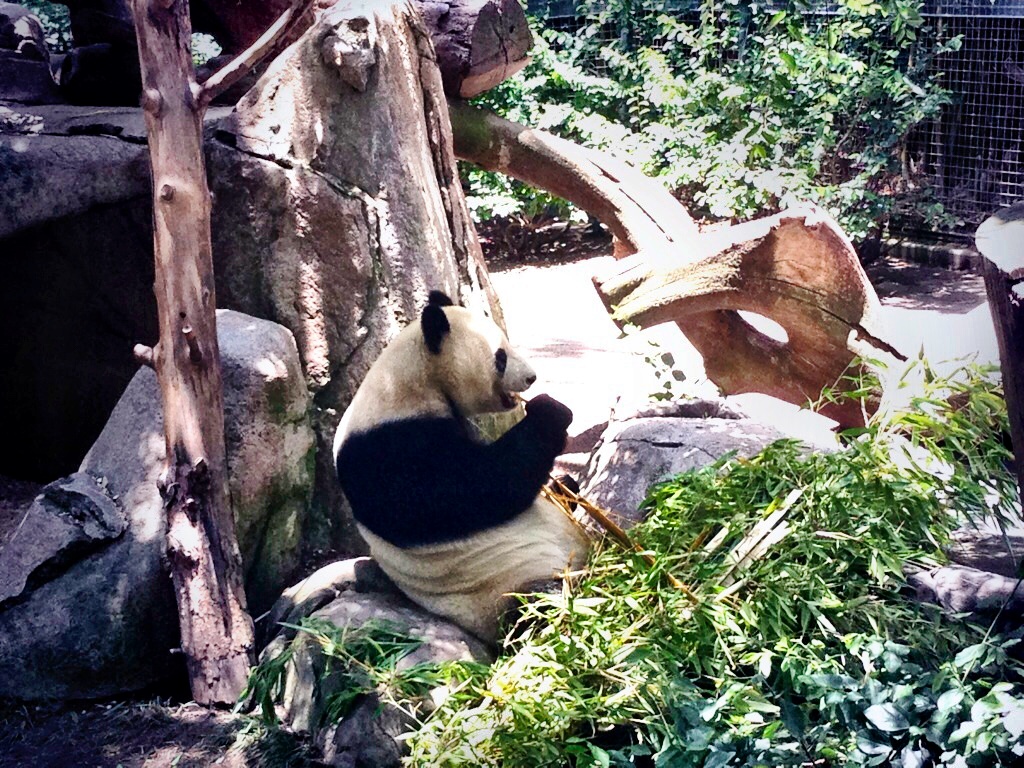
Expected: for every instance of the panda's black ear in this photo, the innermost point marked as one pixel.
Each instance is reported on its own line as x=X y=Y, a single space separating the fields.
x=439 y=298
x=435 y=326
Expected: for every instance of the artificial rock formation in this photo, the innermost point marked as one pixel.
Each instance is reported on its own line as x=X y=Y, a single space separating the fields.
x=640 y=448
x=24 y=58
x=349 y=594
x=318 y=224
x=86 y=608
x=329 y=228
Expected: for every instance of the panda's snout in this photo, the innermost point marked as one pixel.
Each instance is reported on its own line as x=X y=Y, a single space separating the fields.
x=519 y=375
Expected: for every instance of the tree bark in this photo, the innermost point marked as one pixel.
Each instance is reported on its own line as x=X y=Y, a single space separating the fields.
x=205 y=564
x=339 y=170
x=1000 y=239
x=797 y=268
x=479 y=43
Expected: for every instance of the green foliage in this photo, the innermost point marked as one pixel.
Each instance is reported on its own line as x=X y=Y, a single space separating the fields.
x=358 y=661
x=739 y=109
x=799 y=647
x=793 y=643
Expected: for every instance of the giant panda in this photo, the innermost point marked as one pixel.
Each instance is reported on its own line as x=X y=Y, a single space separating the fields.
x=456 y=523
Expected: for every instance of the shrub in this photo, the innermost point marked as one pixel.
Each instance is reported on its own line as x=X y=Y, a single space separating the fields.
x=740 y=108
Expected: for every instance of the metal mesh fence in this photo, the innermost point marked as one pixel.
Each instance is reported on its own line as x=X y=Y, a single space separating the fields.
x=973 y=154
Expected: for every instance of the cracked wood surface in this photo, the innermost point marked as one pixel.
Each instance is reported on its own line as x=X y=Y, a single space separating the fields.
x=796 y=268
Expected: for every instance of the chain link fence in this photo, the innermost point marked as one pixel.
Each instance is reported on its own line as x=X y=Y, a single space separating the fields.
x=973 y=154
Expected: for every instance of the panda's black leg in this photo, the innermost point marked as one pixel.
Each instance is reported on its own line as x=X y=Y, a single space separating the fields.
x=514 y=617
x=570 y=483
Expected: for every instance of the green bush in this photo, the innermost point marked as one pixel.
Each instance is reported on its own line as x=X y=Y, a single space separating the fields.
x=739 y=109
x=802 y=652
x=784 y=636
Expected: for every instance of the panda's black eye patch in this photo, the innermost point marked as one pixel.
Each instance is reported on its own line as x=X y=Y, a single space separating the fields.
x=501 y=361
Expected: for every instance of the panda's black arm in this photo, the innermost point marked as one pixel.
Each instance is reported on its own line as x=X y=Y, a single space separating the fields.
x=425 y=481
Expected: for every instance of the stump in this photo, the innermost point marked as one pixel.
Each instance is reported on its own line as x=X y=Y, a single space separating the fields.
x=1000 y=239
x=338 y=168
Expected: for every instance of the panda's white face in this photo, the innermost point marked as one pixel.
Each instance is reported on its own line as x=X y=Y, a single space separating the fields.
x=475 y=367
x=450 y=356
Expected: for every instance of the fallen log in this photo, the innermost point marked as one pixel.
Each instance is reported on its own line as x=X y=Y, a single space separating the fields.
x=1000 y=239
x=797 y=268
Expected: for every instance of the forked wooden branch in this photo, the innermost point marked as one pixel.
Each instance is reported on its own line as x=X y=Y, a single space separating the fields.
x=798 y=268
x=242 y=64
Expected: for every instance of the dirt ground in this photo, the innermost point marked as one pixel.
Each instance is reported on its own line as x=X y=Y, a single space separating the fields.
x=554 y=315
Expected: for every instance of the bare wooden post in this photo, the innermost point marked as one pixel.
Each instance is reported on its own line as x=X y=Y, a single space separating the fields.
x=216 y=630
x=1000 y=239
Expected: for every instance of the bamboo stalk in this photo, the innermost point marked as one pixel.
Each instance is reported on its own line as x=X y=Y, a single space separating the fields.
x=564 y=495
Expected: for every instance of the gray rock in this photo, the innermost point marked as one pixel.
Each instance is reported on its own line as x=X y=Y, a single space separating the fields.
x=367 y=737
x=26 y=80
x=107 y=625
x=322 y=248
x=349 y=589
x=642 y=448
x=21 y=32
x=988 y=551
x=959 y=589
x=70 y=518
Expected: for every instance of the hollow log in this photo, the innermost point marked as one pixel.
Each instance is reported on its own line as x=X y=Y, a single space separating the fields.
x=338 y=167
x=797 y=268
x=1000 y=239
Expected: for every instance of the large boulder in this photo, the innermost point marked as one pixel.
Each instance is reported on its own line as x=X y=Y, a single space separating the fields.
x=642 y=447
x=349 y=595
x=105 y=622
x=316 y=243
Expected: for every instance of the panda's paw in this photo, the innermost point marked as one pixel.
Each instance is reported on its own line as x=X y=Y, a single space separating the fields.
x=552 y=416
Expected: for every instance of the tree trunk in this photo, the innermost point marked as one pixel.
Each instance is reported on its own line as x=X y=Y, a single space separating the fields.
x=1001 y=241
x=339 y=207
x=216 y=631
x=797 y=268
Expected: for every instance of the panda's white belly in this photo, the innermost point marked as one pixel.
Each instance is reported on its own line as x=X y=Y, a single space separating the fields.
x=467 y=580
